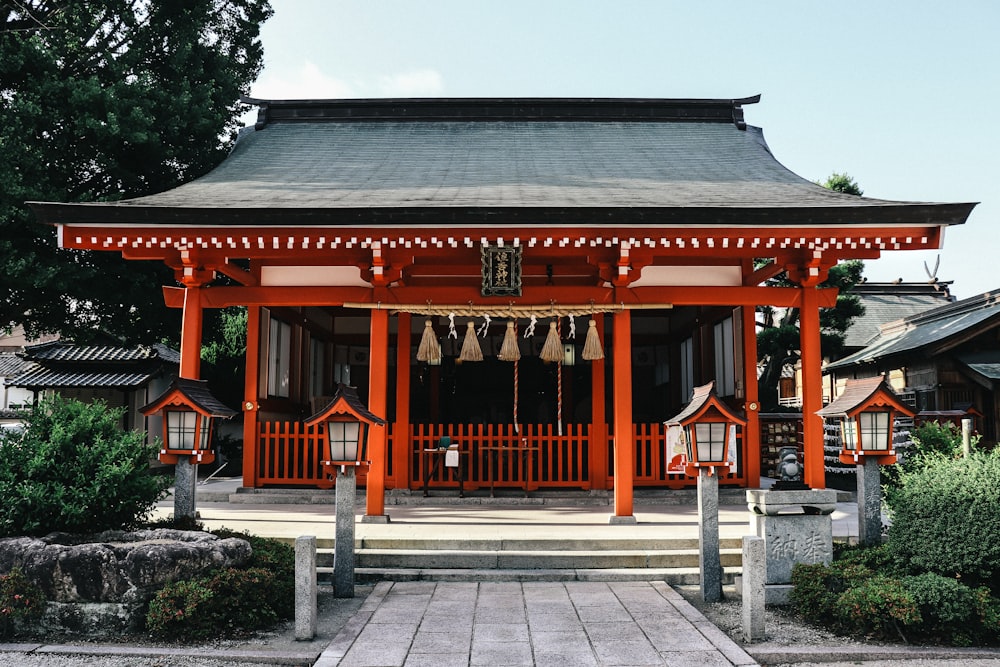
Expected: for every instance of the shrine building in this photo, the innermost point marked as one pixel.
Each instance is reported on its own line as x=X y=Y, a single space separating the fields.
x=549 y=278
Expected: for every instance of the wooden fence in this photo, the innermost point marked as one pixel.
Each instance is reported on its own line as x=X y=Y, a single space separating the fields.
x=496 y=455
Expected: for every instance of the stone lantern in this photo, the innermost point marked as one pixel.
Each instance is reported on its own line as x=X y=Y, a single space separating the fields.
x=347 y=421
x=867 y=410
x=188 y=409
x=708 y=427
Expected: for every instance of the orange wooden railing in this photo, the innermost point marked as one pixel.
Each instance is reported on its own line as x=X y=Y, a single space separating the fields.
x=289 y=454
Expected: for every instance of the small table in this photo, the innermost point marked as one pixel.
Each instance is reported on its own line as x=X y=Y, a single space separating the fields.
x=434 y=464
x=527 y=454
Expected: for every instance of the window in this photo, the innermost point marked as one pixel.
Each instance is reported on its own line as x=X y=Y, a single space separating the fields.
x=317 y=364
x=687 y=369
x=725 y=364
x=279 y=354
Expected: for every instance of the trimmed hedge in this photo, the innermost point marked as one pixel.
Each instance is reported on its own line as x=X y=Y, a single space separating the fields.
x=946 y=520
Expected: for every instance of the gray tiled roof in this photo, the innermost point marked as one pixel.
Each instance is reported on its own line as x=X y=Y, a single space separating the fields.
x=666 y=168
x=68 y=352
x=930 y=328
x=985 y=364
x=11 y=364
x=888 y=302
x=46 y=378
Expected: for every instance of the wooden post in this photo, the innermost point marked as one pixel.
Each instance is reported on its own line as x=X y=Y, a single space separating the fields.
x=812 y=389
x=598 y=453
x=378 y=371
x=191 y=334
x=251 y=384
x=624 y=443
x=751 y=397
x=401 y=429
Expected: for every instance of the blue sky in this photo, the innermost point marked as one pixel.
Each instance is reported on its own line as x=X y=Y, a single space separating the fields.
x=903 y=96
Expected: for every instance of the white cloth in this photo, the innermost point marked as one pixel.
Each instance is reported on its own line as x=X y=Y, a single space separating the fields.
x=451 y=458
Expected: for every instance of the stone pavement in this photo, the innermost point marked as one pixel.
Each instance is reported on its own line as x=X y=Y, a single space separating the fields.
x=416 y=624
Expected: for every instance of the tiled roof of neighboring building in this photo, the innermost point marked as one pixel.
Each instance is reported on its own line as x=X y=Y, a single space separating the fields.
x=887 y=302
x=45 y=378
x=11 y=364
x=934 y=328
x=60 y=351
x=985 y=364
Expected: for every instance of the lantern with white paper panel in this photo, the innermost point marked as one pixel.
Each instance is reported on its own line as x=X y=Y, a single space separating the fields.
x=347 y=422
x=867 y=409
x=188 y=409
x=708 y=426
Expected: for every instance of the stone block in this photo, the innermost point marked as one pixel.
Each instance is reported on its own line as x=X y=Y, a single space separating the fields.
x=793 y=538
x=812 y=501
x=752 y=588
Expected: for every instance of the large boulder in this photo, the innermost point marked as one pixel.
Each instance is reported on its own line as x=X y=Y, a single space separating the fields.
x=116 y=566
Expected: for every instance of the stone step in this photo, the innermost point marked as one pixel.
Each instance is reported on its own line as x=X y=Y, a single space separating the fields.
x=596 y=498
x=673 y=576
x=536 y=560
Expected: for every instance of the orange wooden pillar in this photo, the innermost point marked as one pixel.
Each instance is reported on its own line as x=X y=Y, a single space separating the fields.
x=812 y=389
x=598 y=445
x=751 y=398
x=191 y=326
x=401 y=428
x=378 y=372
x=624 y=443
x=251 y=392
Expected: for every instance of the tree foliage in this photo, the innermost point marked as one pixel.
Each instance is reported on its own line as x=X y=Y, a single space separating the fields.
x=99 y=100
x=778 y=338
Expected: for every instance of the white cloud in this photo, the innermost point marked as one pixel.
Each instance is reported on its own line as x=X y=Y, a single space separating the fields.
x=415 y=83
x=310 y=82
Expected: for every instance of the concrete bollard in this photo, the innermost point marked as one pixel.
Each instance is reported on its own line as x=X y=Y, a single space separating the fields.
x=754 y=575
x=305 y=587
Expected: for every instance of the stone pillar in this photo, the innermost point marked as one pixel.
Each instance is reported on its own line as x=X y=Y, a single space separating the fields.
x=185 y=481
x=709 y=561
x=796 y=528
x=754 y=568
x=305 y=587
x=343 y=552
x=869 y=503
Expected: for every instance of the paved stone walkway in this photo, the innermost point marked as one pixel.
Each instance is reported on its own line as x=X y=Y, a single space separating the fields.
x=413 y=624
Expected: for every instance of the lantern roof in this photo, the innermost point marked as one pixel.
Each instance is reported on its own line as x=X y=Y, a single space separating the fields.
x=864 y=393
x=192 y=393
x=345 y=401
x=703 y=400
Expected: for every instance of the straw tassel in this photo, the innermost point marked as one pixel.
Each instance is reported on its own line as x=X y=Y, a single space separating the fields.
x=592 y=348
x=509 y=350
x=430 y=349
x=470 y=346
x=553 y=349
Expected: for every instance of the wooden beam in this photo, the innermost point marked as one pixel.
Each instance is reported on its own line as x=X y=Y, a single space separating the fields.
x=621 y=368
x=221 y=297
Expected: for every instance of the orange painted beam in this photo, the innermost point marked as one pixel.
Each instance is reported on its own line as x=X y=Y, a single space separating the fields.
x=378 y=370
x=221 y=297
x=624 y=445
x=812 y=390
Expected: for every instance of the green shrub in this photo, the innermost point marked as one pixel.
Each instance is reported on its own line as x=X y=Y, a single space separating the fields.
x=225 y=602
x=879 y=606
x=952 y=612
x=230 y=600
x=21 y=602
x=946 y=520
x=817 y=587
x=73 y=469
x=930 y=442
x=276 y=557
